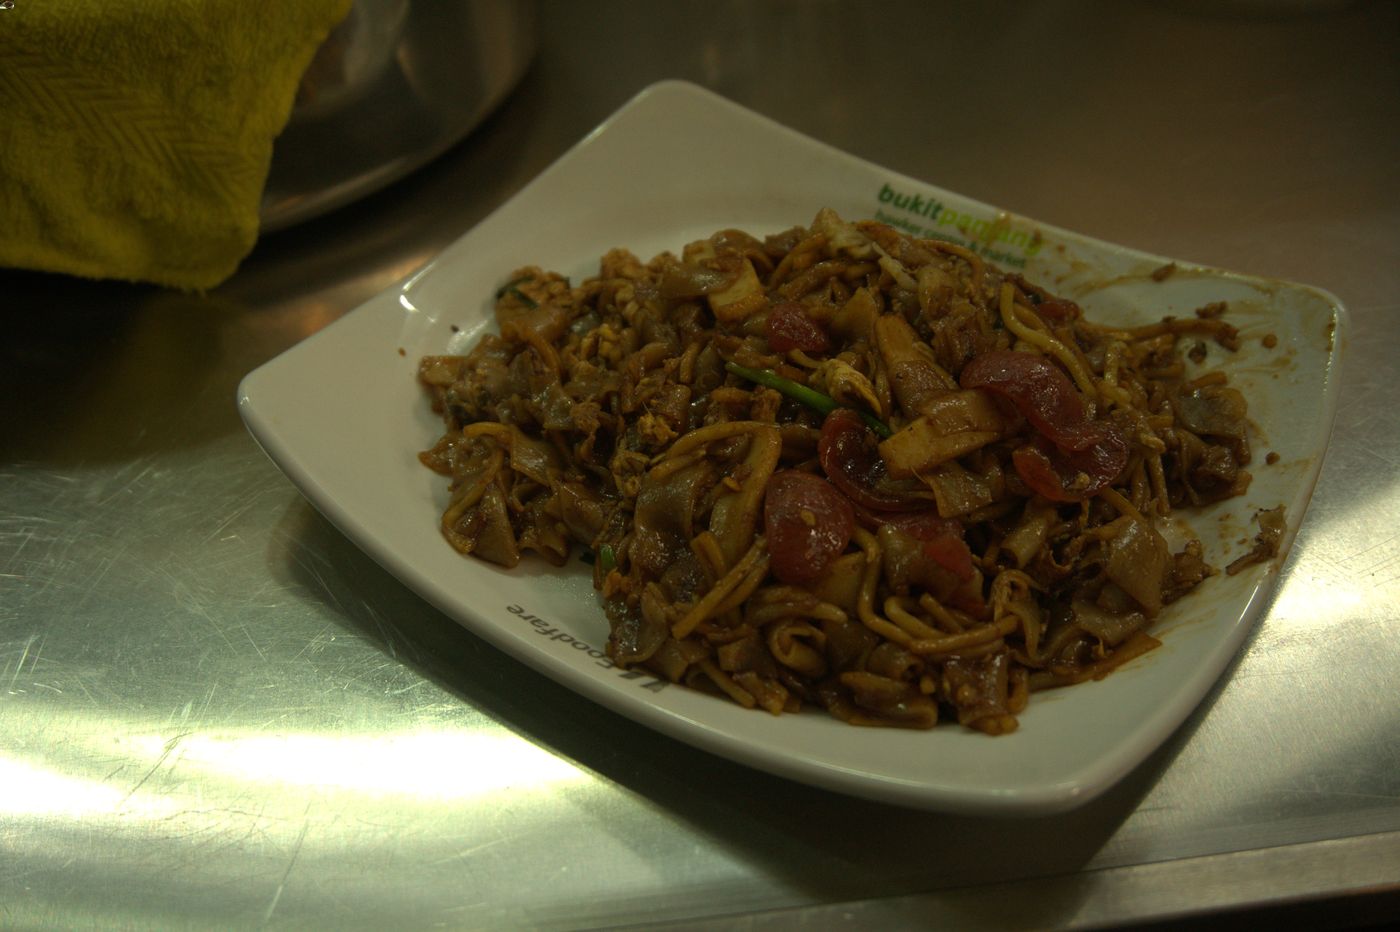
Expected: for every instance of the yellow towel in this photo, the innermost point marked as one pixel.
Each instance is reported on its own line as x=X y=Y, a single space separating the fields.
x=135 y=135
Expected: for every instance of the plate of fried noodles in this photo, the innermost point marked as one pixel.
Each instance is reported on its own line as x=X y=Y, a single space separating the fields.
x=821 y=468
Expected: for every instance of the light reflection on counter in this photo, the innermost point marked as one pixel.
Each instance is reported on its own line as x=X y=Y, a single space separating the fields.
x=34 y=791
x=428 y=767
x=1305 y=606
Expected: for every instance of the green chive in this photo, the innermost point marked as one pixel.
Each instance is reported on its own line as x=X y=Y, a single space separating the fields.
x=501 y=291
x=523 y=297
x=822 y=404
x=509 y=288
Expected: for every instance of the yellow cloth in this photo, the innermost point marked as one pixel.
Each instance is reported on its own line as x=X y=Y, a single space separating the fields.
x=135 y=135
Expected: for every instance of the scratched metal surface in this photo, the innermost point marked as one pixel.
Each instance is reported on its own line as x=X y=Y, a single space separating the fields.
x=216 y=712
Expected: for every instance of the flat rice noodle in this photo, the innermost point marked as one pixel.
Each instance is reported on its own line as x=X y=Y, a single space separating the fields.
x=703 y=277
x=671 y=402
x=978 y=689
x=847 y=641
x=1138 y=562
x=1209 y=472
x=441 y=371
x=855 y=320
x=742 y=299
x=664 y=516
x=1013 y=595
x=540 y=532
x=1028 y=536
x=910 y=566
x=581 y=510
x=915 y=376
x=672 y=659
x=745 y=654
x=895 y=662
x=961 y=410
x=1273 y=525
x=735 y=514
x=738 y=241
x=1110 y=627
x=553 y=408
x=906 y=250
x=728 y=282
x=840 y=583
x=890 y=702
x=921 y=445
x=638 y=631
x=535 y=458
x=650 y=356
x=1216 y=411
x=591 y=383
x=938 y=286
x=685 y=580
x=1188 y=570
x=767 y=692
x=799 y=646
x=495 y=541
x=548 y=321
x=958 y=491
x=1059 y=635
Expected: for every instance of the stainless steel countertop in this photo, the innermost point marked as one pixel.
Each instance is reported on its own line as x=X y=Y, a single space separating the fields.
x=216 y=712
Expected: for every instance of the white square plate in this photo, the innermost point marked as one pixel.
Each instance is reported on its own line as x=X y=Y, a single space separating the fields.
x=343 y=415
